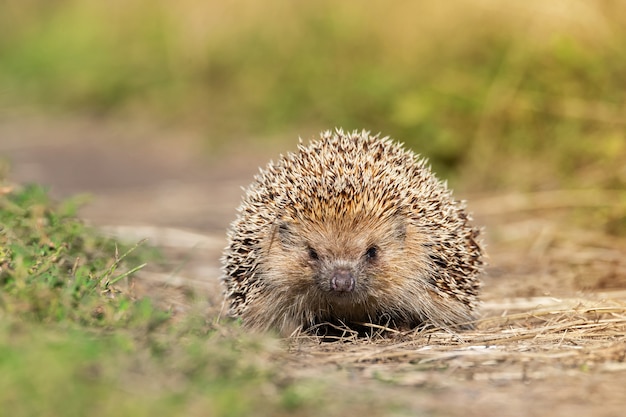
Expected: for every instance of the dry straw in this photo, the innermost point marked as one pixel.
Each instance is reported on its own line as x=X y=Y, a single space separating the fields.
x=524 y=345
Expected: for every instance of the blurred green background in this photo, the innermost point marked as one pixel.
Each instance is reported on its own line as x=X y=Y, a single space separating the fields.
x=526 y=95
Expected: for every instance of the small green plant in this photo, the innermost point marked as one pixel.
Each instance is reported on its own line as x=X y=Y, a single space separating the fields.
x=54 y=268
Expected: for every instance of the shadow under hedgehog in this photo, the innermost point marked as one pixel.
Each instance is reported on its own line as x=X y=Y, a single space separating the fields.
x=351 y=229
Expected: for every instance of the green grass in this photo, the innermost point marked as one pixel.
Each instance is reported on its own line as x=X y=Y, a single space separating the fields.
x=54 y=268
x=56 y=371
x=74 y=372
x=509 y=97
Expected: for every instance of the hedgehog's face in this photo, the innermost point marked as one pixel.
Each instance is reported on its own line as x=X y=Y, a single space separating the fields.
x=344 y=264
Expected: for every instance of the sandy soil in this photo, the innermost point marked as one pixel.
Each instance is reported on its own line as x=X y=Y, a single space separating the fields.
x=162 y=185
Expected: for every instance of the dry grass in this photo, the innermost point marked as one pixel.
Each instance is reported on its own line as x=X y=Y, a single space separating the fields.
x=523 y=346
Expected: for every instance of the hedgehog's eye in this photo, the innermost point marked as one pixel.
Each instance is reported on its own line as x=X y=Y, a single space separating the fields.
x=313 y=254
x=371 y=253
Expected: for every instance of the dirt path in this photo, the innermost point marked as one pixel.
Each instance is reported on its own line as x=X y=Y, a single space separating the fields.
x=143 y=186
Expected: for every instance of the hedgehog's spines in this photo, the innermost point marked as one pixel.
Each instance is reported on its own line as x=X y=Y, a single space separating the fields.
x=365 y=178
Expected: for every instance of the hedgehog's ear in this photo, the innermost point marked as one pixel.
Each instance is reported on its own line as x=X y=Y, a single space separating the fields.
x=284 y=232
x=399 y=230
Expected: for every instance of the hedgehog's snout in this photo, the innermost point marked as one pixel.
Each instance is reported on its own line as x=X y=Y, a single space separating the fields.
x=342 y=280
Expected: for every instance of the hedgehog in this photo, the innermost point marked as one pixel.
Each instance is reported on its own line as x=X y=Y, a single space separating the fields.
x=351 y=230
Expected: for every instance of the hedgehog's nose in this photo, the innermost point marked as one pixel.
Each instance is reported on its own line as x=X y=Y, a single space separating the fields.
x=342 y=280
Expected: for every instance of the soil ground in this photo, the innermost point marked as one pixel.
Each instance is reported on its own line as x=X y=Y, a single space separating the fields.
x=542 y=266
